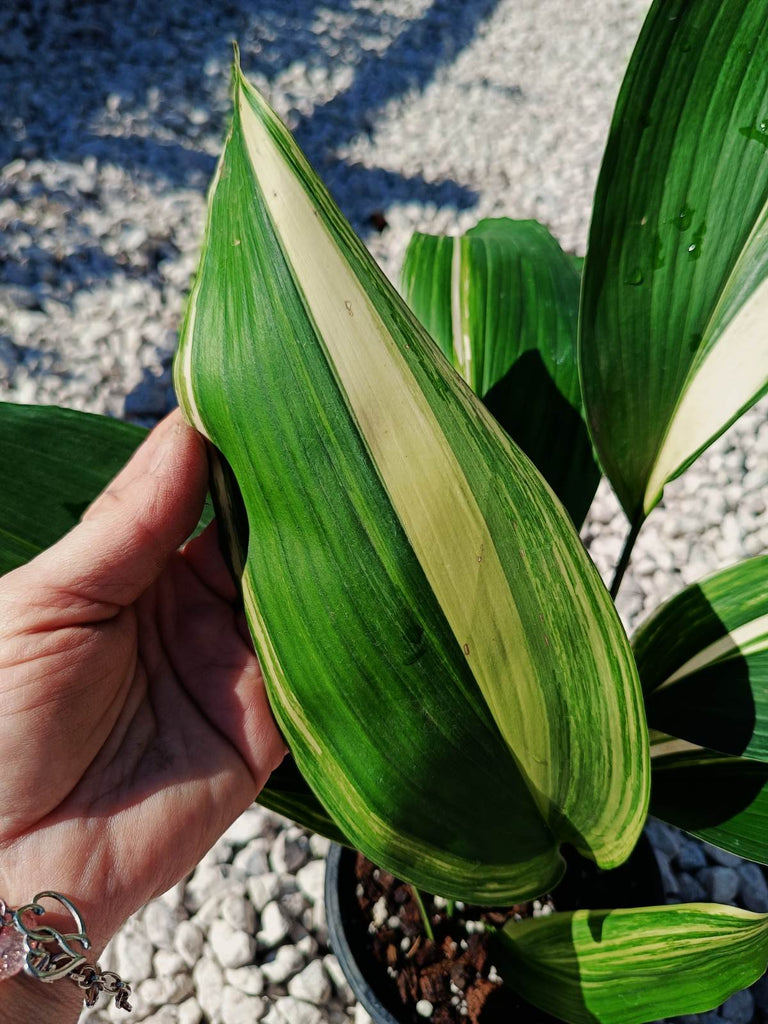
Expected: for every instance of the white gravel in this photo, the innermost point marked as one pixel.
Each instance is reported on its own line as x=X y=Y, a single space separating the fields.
x=431 y=113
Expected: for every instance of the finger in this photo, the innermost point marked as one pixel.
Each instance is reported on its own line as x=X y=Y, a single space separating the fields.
x=128 y=533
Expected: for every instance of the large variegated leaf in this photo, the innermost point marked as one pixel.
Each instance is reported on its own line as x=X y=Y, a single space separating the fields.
x=53 y=463
x=502 y=302
x=703 y=662
x=633 y=965
x=719 y=798
x=439 y=651
x=674 y=344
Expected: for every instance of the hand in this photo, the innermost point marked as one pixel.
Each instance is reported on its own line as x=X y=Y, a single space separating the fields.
x=134 y=725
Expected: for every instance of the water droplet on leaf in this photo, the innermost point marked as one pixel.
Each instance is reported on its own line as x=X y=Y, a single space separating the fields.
x=636 y=277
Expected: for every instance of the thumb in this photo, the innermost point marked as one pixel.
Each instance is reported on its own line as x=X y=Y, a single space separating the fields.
x=142 y=517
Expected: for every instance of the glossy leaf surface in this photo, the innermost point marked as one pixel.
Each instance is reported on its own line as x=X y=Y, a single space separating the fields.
x=721 y=799
x=502 y=302
x=633 y=965
x=673 y=345
x=703 y=662
x=403 y=559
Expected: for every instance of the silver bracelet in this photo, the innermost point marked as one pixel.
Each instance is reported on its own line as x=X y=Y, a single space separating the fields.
x=47 y=955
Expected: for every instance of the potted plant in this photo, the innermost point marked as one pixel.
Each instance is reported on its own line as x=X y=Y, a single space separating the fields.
x=458 y=692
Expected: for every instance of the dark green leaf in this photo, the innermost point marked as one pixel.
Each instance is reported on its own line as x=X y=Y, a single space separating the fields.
x=502 y=303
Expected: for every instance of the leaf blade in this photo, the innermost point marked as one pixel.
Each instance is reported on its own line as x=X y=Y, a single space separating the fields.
x=502 y=303
x=703 y=662
x=53 y=463
x=369 y=728
x=675 y=277
x=633 y=965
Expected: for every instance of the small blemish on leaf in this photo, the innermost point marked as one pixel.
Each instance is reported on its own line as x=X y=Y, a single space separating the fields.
x=236 y=242
x=348 y=305
x=757 y=132
x=466 y=649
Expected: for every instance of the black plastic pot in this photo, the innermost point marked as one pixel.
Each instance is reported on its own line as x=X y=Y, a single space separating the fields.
x=637 y=883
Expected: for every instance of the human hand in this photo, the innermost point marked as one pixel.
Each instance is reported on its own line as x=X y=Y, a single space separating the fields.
x=134 y=724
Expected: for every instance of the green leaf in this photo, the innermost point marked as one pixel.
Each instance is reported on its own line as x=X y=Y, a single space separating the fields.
x=288 y=794
x=721 y=799
x=632 y=965
x=703 y=662
x=502 y=302
x=439 y=651
x=53 y=463
x=673 y=345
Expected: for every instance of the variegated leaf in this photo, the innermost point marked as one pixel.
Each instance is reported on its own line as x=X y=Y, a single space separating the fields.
x=438 y=649
x=633 y=965
x=673 y=338
x=502 y=302
x=703 y=662
x=719 y=798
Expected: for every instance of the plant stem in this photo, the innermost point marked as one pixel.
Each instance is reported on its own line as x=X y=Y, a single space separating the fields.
x=626 y=554
x=450 y=910
x=424 y=915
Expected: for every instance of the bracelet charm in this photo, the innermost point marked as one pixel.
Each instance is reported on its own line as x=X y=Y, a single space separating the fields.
x=47 y=954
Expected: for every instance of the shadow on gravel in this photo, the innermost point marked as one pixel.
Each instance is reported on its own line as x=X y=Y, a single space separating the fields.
x=144 y=85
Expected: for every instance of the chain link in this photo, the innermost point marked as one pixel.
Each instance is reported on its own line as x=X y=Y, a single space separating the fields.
x=64 y=963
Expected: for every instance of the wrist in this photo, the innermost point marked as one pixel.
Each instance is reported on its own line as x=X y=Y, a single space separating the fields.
x=29 y=1001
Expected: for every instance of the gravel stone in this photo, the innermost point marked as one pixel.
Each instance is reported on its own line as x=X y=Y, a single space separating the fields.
x=239 y=1008
x=690 y=889
x=287 y=962
x=160 y=924
x=167 y=1015
x=247 y=979
x=263 y=889
x=664 y=838
x=274 y=926
x=188 y=942
x=213 y=880
x=690 y=856
x=289 y=854
x=133 y=952
x=722 y=857
x=232 y=948
x=190 y=1012
x=247 y=827
x=253 y=859
x=739 y=1008
x=669 y=880
x=753 y=890
x=167 y=962
x=337 y=976
x=239 y=913
x=293 y=1011
x=722 y=883
x=312 y=984
x=209 y=983
x=311 y=879
x=760 y=993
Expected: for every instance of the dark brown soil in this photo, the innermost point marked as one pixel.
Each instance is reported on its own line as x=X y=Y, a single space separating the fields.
x=454 y=973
